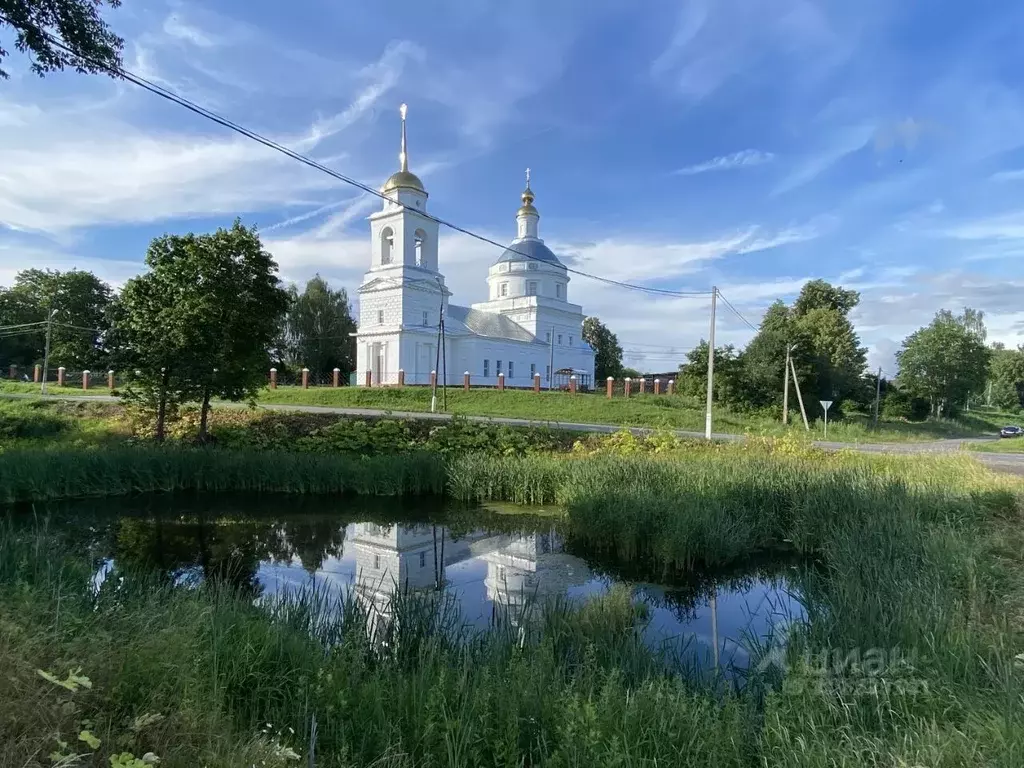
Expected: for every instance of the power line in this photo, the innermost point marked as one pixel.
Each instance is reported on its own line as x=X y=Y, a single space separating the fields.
x=270 y=143
x=20 y=325
x=736 y=312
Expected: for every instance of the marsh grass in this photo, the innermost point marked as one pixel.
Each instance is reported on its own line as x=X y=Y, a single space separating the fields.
x=909 y=655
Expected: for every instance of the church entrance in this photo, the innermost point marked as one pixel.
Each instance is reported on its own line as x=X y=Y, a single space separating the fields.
x=378 y=362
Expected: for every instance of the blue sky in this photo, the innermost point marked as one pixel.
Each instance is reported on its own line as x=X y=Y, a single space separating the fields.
x=747 y=144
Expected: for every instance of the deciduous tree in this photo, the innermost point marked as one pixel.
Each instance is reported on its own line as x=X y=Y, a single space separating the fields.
x=607 y=350
x=318 y=328
x=94 y=48
x=946 y=361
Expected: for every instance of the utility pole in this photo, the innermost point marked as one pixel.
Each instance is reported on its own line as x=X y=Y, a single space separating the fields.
x=46 y=350
x=878 y=393
x=711 y=364
x=551 y=361
x=785 y=387
x=799 y=397
x=444 y=372
x=440 y=357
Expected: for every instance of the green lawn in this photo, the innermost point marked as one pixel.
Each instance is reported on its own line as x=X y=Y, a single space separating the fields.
x=659 y=412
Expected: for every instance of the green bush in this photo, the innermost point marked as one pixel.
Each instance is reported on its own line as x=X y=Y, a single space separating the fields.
x=31 y=419
x=898 y=404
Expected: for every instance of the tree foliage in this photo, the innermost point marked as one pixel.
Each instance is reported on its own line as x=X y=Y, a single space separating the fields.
x=1006 y=378
x=198 y=325
x=729 y=380
x=945 y=362
x=317 y=329
x=94 y=48
x=607 y=350
x=77 y=336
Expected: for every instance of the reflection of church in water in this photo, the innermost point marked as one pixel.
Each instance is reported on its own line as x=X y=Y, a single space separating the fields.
x=520 y=568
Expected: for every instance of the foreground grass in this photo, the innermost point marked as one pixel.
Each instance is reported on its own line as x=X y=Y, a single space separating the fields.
x=909 y=656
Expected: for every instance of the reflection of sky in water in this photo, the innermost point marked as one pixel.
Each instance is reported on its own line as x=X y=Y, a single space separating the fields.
x=756 y=609
x=485 y=572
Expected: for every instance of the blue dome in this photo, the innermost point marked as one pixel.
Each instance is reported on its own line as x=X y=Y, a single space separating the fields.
x=529 y=250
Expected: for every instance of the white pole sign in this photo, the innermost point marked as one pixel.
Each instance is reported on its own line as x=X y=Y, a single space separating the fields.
x=825 y=405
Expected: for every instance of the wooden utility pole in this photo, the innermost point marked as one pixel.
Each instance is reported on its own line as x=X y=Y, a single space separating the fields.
x=878 y=393
x=785 y=387
x=799 y=397
x=711 y=365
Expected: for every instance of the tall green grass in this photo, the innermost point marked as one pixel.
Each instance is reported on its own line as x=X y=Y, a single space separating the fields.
x=916 y=609
x=233 y=681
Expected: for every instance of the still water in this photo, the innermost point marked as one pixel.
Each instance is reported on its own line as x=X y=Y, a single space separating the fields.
x=485 y=560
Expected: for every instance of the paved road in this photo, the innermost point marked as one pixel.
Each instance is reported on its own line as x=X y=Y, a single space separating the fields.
x=1003 y=462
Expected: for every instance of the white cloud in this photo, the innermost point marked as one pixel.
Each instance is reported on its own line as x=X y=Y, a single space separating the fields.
x=1009 y=175
x=742 y=159
x=836 y=147
x=1009 y=226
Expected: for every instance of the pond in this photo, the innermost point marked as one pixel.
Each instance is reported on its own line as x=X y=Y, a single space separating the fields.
x=490 y=562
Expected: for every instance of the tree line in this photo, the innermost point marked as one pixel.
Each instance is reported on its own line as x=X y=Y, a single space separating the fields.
x=207 y=319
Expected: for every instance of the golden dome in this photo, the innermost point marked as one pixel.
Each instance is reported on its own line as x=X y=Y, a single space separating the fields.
x=404 y=180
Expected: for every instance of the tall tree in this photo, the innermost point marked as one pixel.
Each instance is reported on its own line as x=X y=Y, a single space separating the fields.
x=729 y=380
x=81 y=301
x=199 y=323
x=946 y=361
x=607 y=351
x=93 y=47
x=1006 y=377
x=318 y=328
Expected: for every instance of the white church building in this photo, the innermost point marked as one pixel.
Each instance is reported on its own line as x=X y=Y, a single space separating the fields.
x=526 y=326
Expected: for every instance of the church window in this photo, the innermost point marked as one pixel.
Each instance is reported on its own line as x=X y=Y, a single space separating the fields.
x=510 y=369
x=424 y=317
x=380 y=317
x=531 y=288
x=503 y=289
x=376 y=562
x=570 y=341
x=532 y=265
x=497 y=368
x=487 y=368
x=559 y=339
x=387 y=243
x=558 y=290
x=547 y=372
x=547 y=337
x=503 y=267
x=420 y=239
x=533 y=370
x=423 y=559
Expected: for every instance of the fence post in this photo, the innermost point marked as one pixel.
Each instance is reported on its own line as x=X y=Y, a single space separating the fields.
x=610 y=386
x=401 y=377
x=536 y=382
x=433 y=379
x=671 y=386
x=14 y=371
x=336 y=378
x=37 y=373
x=85 y=379
x=60 y=376
x=273 y=378
x=110 y=380
x=465 y=381
x=305 y=378
x=657 y=386
x=643 y=385
x=628 y=386
x=368 y=379
x=572 y=385
x=501 y=382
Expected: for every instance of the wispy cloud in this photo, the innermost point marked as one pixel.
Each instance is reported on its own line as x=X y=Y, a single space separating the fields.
x=742 y=159
x=838 y=146
x=1014 y=175
x=1008 y=226
x=787 y=236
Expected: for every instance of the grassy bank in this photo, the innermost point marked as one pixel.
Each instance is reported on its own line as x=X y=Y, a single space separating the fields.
x=675 y=412
x=908 y=656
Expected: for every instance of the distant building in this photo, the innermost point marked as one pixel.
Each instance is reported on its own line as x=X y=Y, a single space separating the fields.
x=526 y=323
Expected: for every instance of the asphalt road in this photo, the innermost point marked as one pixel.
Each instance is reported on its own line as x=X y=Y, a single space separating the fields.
x=1012 y=463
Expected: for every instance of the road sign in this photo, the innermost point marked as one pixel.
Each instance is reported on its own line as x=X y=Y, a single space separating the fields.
x=826 y=404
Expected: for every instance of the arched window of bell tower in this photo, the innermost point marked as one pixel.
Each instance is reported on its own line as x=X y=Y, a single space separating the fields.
x=387 y=245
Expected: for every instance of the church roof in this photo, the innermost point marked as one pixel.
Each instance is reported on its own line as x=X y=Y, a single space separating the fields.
x=488 y=324
x=528 y=250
